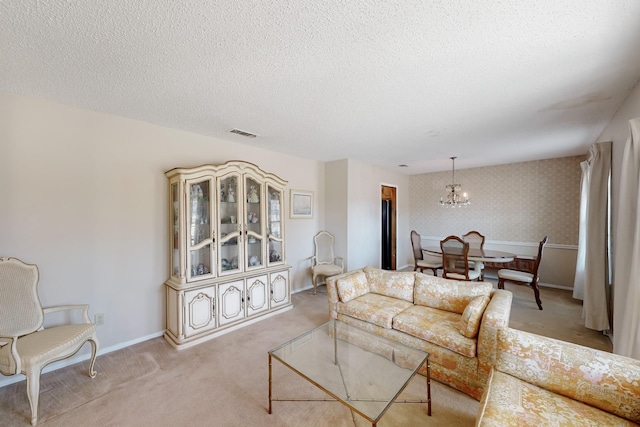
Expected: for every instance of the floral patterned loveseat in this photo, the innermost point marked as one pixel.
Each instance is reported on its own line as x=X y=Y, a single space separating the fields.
x=455 y=322
x=540 y=381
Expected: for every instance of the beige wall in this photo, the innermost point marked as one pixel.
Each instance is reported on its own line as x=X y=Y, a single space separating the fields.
x=513 y=205
x=353 y=207
x=84 y=197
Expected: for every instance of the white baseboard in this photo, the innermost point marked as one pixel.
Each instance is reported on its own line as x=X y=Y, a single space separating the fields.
x=80 y=358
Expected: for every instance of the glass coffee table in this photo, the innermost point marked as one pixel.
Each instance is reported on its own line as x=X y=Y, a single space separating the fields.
x=363 y=371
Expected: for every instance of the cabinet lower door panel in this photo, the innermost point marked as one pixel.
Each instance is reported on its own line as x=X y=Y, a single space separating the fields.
x=279 y=288
x=199 y=310
x=257 y=295
x=231 y=297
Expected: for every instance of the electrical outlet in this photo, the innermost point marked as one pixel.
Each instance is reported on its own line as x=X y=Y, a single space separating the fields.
x=99 y=319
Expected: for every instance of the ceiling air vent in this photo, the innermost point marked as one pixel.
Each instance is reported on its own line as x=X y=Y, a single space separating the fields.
x=243 y=133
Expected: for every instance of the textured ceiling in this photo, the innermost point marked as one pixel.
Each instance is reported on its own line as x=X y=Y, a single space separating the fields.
x=383 y=82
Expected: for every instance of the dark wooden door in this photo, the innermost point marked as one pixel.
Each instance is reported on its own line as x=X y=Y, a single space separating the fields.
x=388 y=225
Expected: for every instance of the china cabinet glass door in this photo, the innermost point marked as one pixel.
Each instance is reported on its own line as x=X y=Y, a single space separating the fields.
x=175 y=230
x=200 y=249
x=274 y=225
x=254 y=223
x=230 y=224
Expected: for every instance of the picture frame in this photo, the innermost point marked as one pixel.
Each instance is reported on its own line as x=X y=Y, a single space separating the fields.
x=301 y=205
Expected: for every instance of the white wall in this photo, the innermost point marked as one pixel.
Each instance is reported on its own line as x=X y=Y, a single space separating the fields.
x=84 y=197
x=353 y=212
x=336 y=205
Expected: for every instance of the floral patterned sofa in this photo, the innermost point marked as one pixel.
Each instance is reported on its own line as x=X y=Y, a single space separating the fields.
x=455 y=322
x=540 y=381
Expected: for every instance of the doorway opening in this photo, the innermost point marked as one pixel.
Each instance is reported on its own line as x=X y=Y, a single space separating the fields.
x=388 y=221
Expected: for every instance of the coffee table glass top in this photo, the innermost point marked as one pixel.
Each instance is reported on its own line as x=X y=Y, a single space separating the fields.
x=364 y=371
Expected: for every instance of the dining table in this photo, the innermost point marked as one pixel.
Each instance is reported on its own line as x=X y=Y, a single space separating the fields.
x=478 y=256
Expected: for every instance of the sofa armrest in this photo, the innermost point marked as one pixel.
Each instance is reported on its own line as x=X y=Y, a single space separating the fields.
x=332 y=292
x=495 y=317
x=604 y=380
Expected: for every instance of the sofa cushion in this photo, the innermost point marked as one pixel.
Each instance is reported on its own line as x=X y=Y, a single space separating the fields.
x=509 y=401
x=604 y=380
x=472 y=315
x=352 y=286
x=436 y=326
x=445 y=294
x=377 y=309
x=396 y=284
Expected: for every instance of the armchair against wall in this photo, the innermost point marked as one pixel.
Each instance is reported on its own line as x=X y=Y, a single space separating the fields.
x=324 y=263
x=26 y=347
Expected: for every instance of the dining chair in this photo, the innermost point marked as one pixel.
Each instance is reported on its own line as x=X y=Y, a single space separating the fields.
x=476 y=241
x=324 y=263
x=455 y=260
x=26 y=347
x=525 y=278
x=420 y=260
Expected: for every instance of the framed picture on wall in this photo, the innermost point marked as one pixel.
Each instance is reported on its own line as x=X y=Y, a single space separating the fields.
x=301 y=204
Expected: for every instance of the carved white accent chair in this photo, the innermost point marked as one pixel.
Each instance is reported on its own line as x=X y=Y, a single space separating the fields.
x=324 y=262
x=26 y=347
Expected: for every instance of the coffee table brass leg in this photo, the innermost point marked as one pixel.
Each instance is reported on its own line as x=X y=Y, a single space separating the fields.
x=428 y=387
x=269 y=382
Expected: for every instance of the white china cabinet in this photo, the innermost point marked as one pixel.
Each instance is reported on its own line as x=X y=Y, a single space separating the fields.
x=227 y=260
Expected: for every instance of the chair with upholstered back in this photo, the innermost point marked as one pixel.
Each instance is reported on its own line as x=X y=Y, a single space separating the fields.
x=525 y=278
x=420 y=261
x=26 y=347
x=455 y=259
x=324 y=262
x=475 y=241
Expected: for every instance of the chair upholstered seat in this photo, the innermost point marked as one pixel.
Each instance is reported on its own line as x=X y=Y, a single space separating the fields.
x=427 y=264
x=518 y=276
x=327 y=270
x=473 y=275
x=50 y=344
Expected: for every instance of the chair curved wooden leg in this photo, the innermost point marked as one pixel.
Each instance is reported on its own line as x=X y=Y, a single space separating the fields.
x=500 y=283
x=33 y=392
x=94 y=352
x=536 y=292
x=315 y=285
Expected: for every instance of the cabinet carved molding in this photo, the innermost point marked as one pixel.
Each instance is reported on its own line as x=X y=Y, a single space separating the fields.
x=227 y=250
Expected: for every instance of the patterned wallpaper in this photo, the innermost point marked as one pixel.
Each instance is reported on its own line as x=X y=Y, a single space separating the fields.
x=518 y=202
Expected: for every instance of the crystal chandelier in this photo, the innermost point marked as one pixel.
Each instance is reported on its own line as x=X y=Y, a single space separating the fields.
x=454 y=197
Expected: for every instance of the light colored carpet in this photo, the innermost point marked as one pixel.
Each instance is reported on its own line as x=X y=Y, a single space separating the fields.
x=224 y=382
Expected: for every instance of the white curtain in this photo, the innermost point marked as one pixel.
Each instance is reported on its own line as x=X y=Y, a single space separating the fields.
x=626 y=330
x=578 y=283
x=592 y=266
